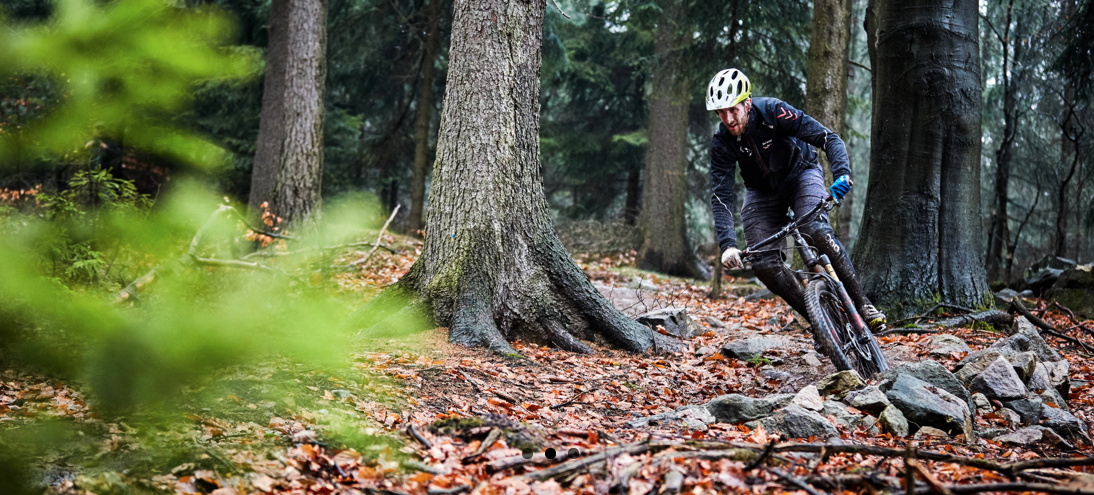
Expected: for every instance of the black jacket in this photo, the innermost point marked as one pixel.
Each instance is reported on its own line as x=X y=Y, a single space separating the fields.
x=777 y=145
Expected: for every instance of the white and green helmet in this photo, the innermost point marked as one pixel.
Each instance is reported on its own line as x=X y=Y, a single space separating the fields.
x=729 y=87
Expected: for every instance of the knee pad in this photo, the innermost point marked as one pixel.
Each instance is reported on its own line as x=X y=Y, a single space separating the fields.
x=823 y=237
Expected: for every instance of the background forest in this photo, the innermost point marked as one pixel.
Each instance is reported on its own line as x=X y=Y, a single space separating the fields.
x=597 y=79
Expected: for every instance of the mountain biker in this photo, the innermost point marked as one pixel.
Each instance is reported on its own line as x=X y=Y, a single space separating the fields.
x=771 y=141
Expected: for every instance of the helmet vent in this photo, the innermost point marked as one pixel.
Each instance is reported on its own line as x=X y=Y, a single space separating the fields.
x=719 y=94
x=721 y=81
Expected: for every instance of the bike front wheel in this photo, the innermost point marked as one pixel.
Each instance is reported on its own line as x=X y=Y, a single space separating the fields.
x=848 y=347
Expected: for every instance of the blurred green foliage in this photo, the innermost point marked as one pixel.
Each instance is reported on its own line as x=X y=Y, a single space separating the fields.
x=92 y=76
x=123 y=68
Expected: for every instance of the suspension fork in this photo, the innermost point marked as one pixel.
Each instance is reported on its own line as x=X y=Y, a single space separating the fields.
x=841 y=291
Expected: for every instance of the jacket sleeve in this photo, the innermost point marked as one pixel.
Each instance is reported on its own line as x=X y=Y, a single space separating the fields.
x=723 y=169
x=794 y=122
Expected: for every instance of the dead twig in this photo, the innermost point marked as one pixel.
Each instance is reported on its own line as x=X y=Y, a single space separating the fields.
x=417 y=435
x=927 y=314
x=379 y=237
x=787 y=477
x=1016 y=487
x=586 y=462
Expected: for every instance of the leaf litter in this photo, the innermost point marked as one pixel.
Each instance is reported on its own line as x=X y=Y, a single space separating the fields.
x=439 y=404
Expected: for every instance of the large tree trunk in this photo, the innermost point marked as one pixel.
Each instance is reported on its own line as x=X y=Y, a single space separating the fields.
x=665 y=247
x=999 y=231
x=826 y=82
x=288 y=166
x=492 y=268
x=425 y=116
x=920 y=238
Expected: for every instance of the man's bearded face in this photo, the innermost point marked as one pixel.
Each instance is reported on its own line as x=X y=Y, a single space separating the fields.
x=736 y=117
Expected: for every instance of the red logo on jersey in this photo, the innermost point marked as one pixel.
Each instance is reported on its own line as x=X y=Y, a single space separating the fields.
x=783 y=114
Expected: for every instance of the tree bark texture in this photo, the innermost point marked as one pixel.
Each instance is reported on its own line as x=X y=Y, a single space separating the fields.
x=288 y=166
x=999 y=229
x=921 y=234
x=826 y=82
x=492 y=268
x=425 y=116
x=665 y=246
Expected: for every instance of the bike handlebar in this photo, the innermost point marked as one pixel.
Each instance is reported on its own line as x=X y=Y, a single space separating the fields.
x=824 y=206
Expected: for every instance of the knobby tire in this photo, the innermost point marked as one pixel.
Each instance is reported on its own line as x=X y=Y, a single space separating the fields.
x=830 y=322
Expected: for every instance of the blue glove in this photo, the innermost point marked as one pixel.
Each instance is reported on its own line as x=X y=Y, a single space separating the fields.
x=840 y=187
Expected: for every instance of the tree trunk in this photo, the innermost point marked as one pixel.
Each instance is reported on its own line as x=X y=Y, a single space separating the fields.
x=826 y=81
x=492 y=268
x=425 y=116
x=633 y=202
x=288 y=166
x=665 y=246
x=999 y=231
x=921 y=236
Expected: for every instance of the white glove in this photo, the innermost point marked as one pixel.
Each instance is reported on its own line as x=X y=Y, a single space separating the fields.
x=731 y=259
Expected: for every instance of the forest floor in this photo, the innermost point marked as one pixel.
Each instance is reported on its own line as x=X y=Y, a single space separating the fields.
x=417 y=415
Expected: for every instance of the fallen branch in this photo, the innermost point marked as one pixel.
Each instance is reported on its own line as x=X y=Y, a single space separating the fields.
x=587 y=462
x=275 y=254
x=992 y=317
x=1016 y=487
x=1074 y=319
x=797 y=482
x=927 y=314
x=378 y=238
x=417 y=435
x=1046 y=327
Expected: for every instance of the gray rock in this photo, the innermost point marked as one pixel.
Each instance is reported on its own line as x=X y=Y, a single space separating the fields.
x=1027 y=294
x=1024 y=363
x=1039 y=380
x=893 y=422
x=933 y=373
x=641 y=284
x=1036 y=343
x=1029 y=410
x=870 y=399
x=1012 y=418
x=999 y=381
x=714 y=322
x=760 y=295
x=983 y=405
x=795 y=422
x=808 y=398
x=930 y=432
x=1064 y=424
x=813 y=359
x=1042 y=279
x=675 y=321
x=735 y=408
x=690 y=417
x=1058 y=376
x=341 y=394
x=975 y=363
x=838 y=412
x=1004 y=297
x=1075 y=290
x=749 y=348
x=1033 y=435
x=773 y=374
x=840 y=382
x=990 y=433
x=694 y=417
x=943 y=345
x=927 y=405
x=1050 y=395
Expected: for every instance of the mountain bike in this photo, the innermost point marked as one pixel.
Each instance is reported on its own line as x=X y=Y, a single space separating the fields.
x=840 y=332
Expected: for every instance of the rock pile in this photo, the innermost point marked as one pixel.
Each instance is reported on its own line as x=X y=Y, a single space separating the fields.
x=1020 y=378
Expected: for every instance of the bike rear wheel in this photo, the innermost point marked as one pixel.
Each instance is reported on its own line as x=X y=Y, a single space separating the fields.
x=847 y=347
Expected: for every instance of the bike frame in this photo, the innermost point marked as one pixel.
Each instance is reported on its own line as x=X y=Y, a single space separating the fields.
x=819 y=265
